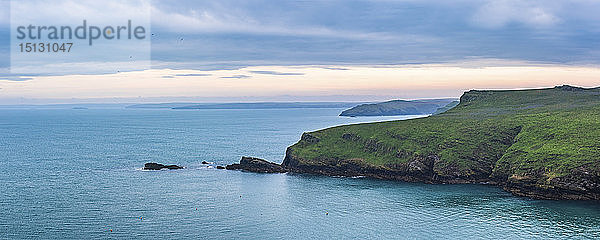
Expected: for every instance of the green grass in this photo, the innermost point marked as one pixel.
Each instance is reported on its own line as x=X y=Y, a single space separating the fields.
x=542 y=133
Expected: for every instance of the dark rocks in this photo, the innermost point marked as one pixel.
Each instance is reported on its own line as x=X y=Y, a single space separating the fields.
x=309 y=138
x=581 y=183
x=350 y=137
x=358 y=168
x=422 y=165
x=252 y=164
x=158 y=166
x=290 y=161
x=205 y=162
x=220 y=167
x=418 y=168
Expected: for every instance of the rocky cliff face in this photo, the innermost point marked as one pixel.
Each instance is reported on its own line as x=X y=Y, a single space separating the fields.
x=583 y=184
x=419 y=169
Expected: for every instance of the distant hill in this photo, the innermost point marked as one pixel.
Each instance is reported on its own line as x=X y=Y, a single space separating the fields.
x=447 y=107
x=74 y=106
x=160 y=105
x=255 y=105
x=398 y=107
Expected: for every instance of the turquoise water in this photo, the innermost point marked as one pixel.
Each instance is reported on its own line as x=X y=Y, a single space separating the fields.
x=74 y=174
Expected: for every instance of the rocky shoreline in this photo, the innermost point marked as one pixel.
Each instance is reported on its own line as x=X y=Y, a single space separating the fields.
x=419 y=171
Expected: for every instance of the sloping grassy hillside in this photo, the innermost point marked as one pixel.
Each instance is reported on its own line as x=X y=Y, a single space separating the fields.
x=398 y=107
x=539 y=143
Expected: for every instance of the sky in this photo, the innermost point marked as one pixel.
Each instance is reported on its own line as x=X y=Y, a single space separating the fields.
x=320 y=50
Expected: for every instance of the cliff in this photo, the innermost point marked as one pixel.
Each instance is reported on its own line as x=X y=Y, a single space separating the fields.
x=540 y=143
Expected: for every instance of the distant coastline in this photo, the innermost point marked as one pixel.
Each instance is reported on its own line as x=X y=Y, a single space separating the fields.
x=249 y=105
x=400 y=107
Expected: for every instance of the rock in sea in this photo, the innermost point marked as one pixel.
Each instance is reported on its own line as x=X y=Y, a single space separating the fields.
x=158 y=166
x=252 y=164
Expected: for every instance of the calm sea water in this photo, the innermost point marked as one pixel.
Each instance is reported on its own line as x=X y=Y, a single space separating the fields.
x=74 y=174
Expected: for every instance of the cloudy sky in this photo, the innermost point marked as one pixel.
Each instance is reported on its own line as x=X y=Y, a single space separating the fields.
x=369 y=49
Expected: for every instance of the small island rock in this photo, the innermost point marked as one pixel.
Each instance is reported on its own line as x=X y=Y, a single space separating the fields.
x=252 y=164
x=158 y=166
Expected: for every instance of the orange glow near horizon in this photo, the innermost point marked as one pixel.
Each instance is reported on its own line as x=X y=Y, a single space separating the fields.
x=403 y=81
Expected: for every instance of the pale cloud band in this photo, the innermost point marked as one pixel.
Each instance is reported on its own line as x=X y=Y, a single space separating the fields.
x=401 y=81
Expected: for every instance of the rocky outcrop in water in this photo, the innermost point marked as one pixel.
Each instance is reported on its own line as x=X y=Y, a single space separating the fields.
x=158 y=166
x=252 y=164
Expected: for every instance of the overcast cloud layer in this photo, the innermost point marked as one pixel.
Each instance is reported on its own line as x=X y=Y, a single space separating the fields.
x=227 y=33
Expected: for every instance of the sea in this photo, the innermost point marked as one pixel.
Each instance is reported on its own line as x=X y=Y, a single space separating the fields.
x=77 y=174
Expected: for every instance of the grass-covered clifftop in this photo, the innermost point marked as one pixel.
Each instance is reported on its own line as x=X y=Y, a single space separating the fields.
x=541 y=143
